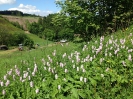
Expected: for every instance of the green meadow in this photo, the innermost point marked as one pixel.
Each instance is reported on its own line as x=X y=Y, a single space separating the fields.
x=99 y=69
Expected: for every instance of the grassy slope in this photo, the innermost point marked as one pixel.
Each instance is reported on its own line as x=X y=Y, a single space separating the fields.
x=21 y=20
x=5 y=24
x=8 y=26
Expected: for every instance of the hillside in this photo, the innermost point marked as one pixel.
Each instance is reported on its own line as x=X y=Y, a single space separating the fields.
x=6 y=25
x=22 y=20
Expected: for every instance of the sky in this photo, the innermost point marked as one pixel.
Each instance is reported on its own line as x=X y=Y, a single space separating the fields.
x=38 y=7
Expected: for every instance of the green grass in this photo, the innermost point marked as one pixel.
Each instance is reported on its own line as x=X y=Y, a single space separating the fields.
x=8 y=26
x=38 y=40
x=106 y=75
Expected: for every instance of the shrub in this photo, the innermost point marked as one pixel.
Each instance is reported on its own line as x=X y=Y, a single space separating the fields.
x=49 y=34
x=66 y=34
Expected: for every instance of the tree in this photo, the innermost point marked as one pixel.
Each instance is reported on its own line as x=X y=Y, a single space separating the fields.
x=96 y=17
x=4 y=36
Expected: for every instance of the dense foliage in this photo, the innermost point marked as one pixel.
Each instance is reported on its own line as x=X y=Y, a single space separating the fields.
x=97 y=17
x=51 y=27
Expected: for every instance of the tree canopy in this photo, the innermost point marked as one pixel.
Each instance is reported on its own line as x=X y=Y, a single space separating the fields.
x=96 y=17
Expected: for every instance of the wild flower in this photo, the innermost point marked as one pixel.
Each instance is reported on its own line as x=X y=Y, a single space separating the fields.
x=20 y=78
x=29 y=78
x=43 y=80
x=45 y=68
x=107 y=69
x=5 y=77
x=77 y=68
x=33 y=73
x=101 y=60
x=61 y=64
x=83 y=70
x=122 y=41
x=130 y=57
x=13 y=77
x=23 y=80
x=48 y=64
x=7 y=83
x=2 y=83
x=64 y=55
x=110 y=41
x=35 y=68
x=102 y=75
x=64 y=79
x=17 y=71
x=72 y=61
x=110 y=54
x=9 y=72
x=66 y=70
x=52 y=70
x=56 y=76
x=81 y=78
x=25 y=74
x=132 y=41
x=124 y=63
x=49 y=69
x=82 y=66
x=73 y=66
x=51 y=60
x=85 y=80
x=3 y=92
x=59 y=87
x=28 y=69
x=54 y=53
x=37 y=91
x=91 y=58
x=31 y=84
x=130 y=50
x=130 y=35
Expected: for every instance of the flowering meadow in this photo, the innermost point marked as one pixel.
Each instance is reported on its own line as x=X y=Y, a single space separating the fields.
x=99 y=69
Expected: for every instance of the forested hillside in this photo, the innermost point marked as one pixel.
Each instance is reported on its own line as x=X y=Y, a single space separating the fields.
x=86 y=18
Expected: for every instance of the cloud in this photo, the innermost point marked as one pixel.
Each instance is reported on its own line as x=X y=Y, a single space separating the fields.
x=7 y=1
x=31 y=10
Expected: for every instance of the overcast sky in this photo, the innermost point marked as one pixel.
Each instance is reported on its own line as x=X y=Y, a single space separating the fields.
x=38 y=7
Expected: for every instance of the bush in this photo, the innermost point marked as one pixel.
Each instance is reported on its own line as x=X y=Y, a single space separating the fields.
x=49 y=34
x=21 y=38
x=5 y=36
x=66 y=34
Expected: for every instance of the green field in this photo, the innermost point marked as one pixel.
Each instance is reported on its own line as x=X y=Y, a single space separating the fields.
x=99 y=69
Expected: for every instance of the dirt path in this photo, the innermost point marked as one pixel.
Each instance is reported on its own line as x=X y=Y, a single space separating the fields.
x=8 y=51
x=16 y=49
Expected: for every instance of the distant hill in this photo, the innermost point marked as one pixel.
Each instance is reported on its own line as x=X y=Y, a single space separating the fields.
x=20 y=17
x=8 y=26
x=5 y=24
x=22 y=20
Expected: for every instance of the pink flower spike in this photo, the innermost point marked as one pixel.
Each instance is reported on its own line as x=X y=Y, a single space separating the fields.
x=37 y=91
x=59 y=87
x=85 y=80
x=56 y=76
x=7 y=82
x=3 y=92
x=81 y=78
x=31 y=84
x=2 y=83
